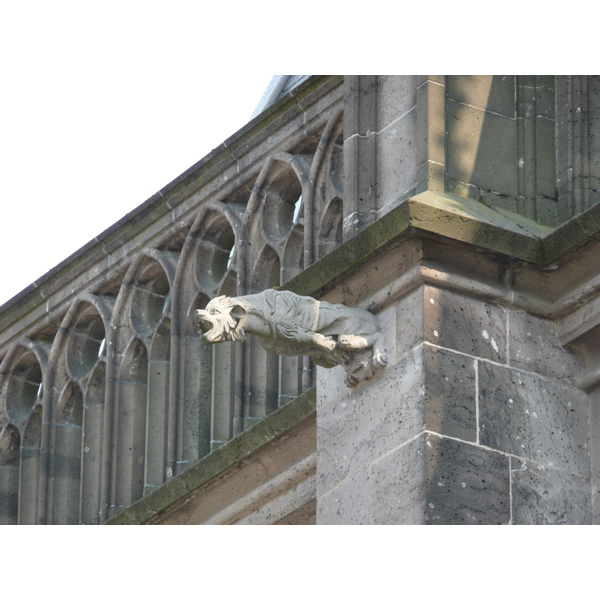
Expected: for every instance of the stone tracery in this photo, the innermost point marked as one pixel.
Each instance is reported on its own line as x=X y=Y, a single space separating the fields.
x=122 y=394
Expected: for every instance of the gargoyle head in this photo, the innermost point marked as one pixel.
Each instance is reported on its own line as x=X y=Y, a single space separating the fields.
x=220 y=321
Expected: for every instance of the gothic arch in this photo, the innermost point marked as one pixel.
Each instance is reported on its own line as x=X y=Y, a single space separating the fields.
x=22 y=378
x=73 y=442
x=138 y=380
x=208 y=267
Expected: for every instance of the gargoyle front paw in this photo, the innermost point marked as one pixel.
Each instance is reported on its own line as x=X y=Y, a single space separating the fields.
x=351 y=342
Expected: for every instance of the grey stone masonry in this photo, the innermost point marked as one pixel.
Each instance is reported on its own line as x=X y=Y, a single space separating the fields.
x=453 y=432
x=462 y=211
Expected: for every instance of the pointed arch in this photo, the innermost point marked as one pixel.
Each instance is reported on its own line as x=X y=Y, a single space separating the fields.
x=330 y=230
x=271 y=213
x=77 y=357
x=208 y=266
x=21 y=378
x=142 y=314
x=327 y=177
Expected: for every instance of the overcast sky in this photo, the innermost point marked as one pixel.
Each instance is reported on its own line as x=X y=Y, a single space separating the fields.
x=100 y=108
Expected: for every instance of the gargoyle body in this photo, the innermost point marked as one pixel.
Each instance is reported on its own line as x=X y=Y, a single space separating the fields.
x=288 y=324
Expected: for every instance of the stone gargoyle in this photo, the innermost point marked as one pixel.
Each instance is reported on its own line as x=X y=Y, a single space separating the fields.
x=288 y=324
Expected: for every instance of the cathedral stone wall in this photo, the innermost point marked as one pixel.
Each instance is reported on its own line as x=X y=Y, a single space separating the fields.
x=462 y=211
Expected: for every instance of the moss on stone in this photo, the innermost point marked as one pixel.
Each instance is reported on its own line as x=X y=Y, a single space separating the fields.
x=457 y=218
x=216 y=463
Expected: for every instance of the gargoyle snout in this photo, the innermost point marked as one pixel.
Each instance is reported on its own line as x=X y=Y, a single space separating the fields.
x=203 y=320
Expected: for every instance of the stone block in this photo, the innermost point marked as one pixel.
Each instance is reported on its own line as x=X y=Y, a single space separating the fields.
x=482 y=148
x=495 y=93
x=369 y=421
x=347 y=504
x=544 y=157
x=330 y=385
x=532 y=417
x=388 y=320
x=466 y=484
x=397 y=95
x=398 y=485
x=450 y=402
x=397 y=165
x=465 y=324
x=409 y=322
x=595 y=458
x=534 y=347
x=542 y=495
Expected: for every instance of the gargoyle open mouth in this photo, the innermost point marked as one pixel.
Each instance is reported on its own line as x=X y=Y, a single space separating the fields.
x=205 y=325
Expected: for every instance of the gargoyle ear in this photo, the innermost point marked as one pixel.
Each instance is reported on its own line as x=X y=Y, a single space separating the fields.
x=237 y=312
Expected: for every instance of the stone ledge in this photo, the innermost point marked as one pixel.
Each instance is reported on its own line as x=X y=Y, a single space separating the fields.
x=207 y=469
x=457 y=218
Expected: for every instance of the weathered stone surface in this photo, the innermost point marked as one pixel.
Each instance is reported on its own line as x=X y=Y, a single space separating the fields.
x=534 y=347
x=346 y=504
x=397 y=96
x=450 y=403
x=357 y=429
x=397 y=159
x=477 y=91
x=465 y=324
x=536 y=418
x=398 y=485
x=402 y=448
x=299 y=414
x=482 y=148
x=595 y=455
x=466 y=484
x=330 y=383
x=409 y=323
x=543 y=495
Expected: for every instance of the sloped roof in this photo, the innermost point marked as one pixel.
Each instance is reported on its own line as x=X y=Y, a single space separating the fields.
x=277 y=88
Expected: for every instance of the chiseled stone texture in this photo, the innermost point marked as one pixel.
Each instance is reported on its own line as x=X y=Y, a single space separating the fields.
x=450 y=394
x=441 y=435
x=466 y=484
x=358 y=428
x=346 y=504
x=465 y=324
x=400 y=143
x=409 y=322
x=534 y=347
x=398 y=485
x=532 y=417
x=595 y=458
x=542 y=495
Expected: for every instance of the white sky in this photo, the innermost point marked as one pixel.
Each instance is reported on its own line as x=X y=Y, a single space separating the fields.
x=100 y=108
